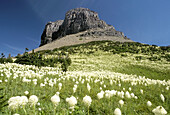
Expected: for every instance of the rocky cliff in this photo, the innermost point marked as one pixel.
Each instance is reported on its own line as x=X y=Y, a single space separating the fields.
x=78 y=20
x=50 y=28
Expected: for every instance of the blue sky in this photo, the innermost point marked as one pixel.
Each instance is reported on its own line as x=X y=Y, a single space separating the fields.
x=22 y=21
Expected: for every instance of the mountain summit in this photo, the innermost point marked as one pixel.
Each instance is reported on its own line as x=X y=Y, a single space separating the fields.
x=78 y=20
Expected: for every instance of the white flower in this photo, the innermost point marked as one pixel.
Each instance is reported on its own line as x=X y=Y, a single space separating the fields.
x=72 y=101
x=127 y=94
x=23 y=100
x=121 y=102
x=0 y=81
x=162 y=97
x=59 y=86
x=26 y=92
x=130 y=88
x=88 y=87
x=149 y=104
x=141 y=91
x=74 y=88
x=55 y=99
x=39 y=109
x=100 y=88
x=117 y=111
x=42 y=85
x=87 y=100
x=82 y=81
x=58 y=93
x=33 y=100
x=14 y=102
x=108 y=94
x=119 y=85
x=16 y=114
x=167 y=88
x=38 y=103
x=159 y=110
x=100 y=95
x=132 y=95
x=120 y=94
x=111 y=82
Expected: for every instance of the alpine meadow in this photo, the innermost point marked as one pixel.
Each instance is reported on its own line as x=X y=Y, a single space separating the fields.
x=86 y=67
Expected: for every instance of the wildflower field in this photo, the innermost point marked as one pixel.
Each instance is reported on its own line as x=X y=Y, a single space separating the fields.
x=98 y=82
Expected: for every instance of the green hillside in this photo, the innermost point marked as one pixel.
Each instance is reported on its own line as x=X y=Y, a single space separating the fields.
x=96 y=78
x=128 y=58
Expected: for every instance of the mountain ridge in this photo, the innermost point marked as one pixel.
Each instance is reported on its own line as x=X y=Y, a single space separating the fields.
x=78 y=20
x=79 y=38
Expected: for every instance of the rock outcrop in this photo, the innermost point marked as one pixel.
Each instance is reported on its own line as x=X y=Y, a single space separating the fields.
x=50 y=28
x=78 y=20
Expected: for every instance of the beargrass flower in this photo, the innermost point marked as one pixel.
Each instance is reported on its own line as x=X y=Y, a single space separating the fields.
x=88 y=87
x=121 y=102
x=149 y=104
x=72 y=101
x=74 y=88
x=100 y=95
x=13 y=102
x=23 y=100
x=141 y=91
x=17 y=101
x=87 y=100
x=59 y=86
x=162 y=97
x=127 y=94
x=26 y=92
x=33 y=100
x=159 y=110
x=117 y=111
x=167 y=88
x=55 y=99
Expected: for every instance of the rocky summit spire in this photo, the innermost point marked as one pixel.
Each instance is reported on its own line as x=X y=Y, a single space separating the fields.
x=76 y=20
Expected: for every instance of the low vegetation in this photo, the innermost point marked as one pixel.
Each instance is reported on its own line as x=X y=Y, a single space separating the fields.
x=102 y=78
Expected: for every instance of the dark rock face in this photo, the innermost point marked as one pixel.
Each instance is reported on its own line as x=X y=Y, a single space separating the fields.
x=50 y=28
x=77 y=20
x=103 y=32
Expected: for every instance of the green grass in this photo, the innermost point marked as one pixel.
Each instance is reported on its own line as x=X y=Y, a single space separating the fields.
x=101 y=61
x=96 y=63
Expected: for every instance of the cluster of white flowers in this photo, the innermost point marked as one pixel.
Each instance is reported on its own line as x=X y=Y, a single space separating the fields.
x=87 y=100
x=72 y=101
x=18 y=101
x=55 y=99
x=100 y=95
x=33 y=100
x=159 y=110
x=32 y=74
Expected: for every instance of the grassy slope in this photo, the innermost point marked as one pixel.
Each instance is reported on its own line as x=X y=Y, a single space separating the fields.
x=96 y=56
x=99 y=56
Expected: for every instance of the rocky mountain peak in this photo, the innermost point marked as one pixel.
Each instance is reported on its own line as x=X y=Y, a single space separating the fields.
x=77 y=20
